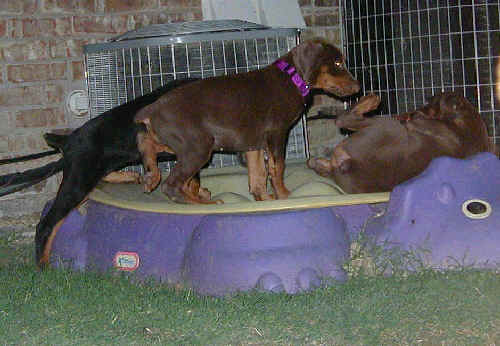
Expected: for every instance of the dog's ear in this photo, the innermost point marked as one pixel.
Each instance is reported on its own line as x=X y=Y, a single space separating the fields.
x=305 y=58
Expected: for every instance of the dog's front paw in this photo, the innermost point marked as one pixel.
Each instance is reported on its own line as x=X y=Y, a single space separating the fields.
x=204 y=193
x=151 y=181
x=263 y=196
x=367 y=104
x=321 y=166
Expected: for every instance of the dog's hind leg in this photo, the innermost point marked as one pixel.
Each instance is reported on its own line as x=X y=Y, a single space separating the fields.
x=122 y=177
x=181 y=183
x=276 y=162
x=148 y=149
x=196 y=189
x=75 y=187
x=340 y=160
x=257 y=175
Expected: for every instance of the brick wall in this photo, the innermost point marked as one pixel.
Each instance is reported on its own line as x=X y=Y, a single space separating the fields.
x=41 y=63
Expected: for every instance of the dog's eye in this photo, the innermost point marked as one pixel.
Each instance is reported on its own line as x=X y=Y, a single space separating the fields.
x=339 y=62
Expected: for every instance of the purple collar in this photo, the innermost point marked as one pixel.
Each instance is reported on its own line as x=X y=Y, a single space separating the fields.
x=294 y=76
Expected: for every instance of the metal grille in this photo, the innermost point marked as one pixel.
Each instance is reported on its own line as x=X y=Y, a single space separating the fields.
x=139 y=62
x=408 y=50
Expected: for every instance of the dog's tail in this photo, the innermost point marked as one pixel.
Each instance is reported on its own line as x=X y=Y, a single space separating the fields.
x=56 y=141
x=14 y=182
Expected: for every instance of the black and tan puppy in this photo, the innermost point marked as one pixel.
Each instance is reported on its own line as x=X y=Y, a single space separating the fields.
x=384 y=152
x=247 y=112
x=101 y=146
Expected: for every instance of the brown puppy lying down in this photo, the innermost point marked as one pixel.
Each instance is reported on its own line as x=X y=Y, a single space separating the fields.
x=247 y=112
x=384 y=152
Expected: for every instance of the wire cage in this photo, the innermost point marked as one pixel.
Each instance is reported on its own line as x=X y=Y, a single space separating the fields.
x=408 y=50
x=140 y=61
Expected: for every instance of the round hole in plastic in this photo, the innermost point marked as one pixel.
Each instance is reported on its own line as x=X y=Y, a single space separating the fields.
x=476 y=209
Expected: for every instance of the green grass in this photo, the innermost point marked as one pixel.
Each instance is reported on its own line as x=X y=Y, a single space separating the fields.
x=62 y=307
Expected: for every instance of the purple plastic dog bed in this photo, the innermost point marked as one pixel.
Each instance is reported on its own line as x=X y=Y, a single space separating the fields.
x=293 y=245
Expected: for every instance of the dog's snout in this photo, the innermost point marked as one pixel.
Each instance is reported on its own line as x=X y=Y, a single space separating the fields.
x=352 y=87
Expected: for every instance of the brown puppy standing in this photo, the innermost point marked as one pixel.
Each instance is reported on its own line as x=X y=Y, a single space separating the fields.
x=248 y=112
x=384 y=152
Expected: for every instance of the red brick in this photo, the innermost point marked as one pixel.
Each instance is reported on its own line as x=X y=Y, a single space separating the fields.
x=180 y=17
x=309 y=20
x=78 y=70
x=6 y=119
x=36 y=72
x=48 y=117
x=4 y=145
x=35 y=142
x=124 y=23
x=105 y=25
x=27 y=143
x=57 y=118
x=92 y=24
x=16 y=143
x=53 y=93
x=326 y=19
x=22 y=96
x=140 y=20
x=197 y=15
x=111 y=6
x=17 y=7
x=180 y=3
x=31 y=118
x=15 y=28
x=68 y=6
x=71 y=48
x=46 y=27
x=11 y=7
x=31 y=27
x=3 y=27
x=326 y=3
x=333 y=35
x=19 y=51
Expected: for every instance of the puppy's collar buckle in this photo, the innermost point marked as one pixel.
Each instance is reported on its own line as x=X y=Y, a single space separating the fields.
x=294 y=76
